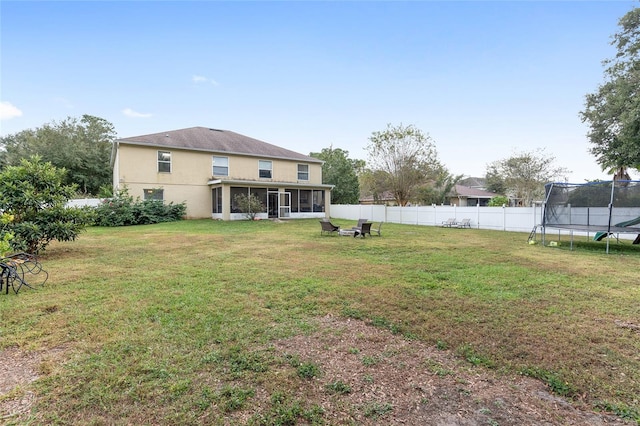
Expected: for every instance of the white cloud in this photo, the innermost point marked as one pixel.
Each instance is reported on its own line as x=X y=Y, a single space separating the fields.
x=201 y=79
x=9 y=111
x=131 y=113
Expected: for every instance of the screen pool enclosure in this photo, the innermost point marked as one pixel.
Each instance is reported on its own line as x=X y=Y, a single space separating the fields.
x=604 y=208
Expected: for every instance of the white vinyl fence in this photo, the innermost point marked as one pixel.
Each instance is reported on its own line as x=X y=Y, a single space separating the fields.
x=84 y=202
x=517 y=219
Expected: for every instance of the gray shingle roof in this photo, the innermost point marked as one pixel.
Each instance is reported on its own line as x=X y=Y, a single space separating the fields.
x=465 y=191
x=474 y=182
x=217 y=141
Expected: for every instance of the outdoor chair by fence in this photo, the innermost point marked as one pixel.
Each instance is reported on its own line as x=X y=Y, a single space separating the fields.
x=377 y=231
x=363 y=229
x=466 y=223
x=21 y=269
x=328 y=227
x=449 y=222
x=360 y=222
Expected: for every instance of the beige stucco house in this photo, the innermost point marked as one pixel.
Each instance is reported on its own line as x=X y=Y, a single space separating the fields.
x=206 y=168
x=465 y=196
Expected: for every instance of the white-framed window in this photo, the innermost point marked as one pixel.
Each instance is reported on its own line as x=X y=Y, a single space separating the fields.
x=264 y=169
x=164 y=161
x=221 y=166
x=303 y=172
x=154 y=194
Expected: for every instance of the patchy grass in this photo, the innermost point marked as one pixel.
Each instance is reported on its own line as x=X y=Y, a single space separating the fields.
x=169 y=323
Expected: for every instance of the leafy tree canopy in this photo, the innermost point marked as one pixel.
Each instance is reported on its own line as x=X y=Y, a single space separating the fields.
x=342 y=172
x=437 y=190
x=524 y=175
x=374 y=183
x=613 y=111
x=494 y=180
x=34 y=196
x=81 y=146
x=406 y=157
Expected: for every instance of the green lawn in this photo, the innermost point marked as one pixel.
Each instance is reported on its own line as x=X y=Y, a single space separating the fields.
x=151 y=320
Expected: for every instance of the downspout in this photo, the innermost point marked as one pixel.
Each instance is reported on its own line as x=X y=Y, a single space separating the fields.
x=115 y=169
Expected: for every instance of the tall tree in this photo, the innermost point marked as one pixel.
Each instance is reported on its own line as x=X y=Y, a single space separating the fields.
x=407 y=156
x=342 y=172
x=613 y=111
x=494 y=180
x=525 y=174
x=81 y=146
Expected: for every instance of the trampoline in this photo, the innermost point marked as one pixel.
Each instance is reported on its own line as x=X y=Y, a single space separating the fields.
x=604 y=208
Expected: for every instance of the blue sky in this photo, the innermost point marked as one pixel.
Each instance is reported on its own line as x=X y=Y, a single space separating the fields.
x=484 y=79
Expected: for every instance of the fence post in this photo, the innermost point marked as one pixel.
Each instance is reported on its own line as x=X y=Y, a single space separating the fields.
x=504 y=217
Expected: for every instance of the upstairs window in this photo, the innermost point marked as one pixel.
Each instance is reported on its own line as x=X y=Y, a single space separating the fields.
x=303 y=172
x=265 y=168
x=221 y=166
x=164 y=162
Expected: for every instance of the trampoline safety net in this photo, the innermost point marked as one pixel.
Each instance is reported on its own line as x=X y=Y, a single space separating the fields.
x=603 y=206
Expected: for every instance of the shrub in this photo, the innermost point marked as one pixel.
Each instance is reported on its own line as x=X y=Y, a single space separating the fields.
x=34 y=195
x=250 y=205
x=499 y=201
x=124 y=210
x=5 y=235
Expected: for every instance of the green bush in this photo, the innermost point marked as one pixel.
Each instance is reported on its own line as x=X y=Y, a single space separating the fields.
x=250 y=205
x=5 y=235
x=35 y=197
x=499 y=201
x=124 y=210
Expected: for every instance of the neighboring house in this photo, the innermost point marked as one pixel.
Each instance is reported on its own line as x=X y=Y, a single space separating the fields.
x=385 y=198
x=464 y=196
x=474 y=182
x=207 y=168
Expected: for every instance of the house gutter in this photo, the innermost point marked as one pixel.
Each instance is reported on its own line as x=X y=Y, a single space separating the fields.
x=267 y=184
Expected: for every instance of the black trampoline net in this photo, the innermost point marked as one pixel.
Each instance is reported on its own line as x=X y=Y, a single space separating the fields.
x=595 y=205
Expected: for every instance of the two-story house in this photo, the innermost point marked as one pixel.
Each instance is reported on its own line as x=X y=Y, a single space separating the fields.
x=207 y=168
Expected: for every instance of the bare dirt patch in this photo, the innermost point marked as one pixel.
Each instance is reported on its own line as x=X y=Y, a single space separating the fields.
x=18 y=370
x=392 y=380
